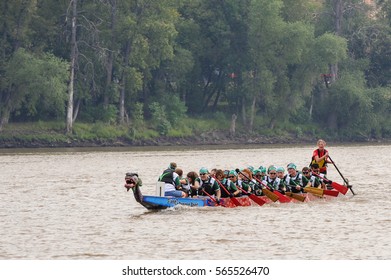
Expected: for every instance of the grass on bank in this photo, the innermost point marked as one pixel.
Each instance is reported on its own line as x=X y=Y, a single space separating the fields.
x=53 y=133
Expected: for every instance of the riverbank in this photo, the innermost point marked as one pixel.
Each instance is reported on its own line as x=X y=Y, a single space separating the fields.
x=51 y=135
x=58 y=140
x=210 y=138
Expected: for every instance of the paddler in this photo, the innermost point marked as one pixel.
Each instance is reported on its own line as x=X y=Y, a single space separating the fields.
x=273 y=181
x=208 y=185
x=227 y=183
x=294 y=180
x=172 y=184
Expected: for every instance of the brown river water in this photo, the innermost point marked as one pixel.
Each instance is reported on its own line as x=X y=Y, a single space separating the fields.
x=70 y=204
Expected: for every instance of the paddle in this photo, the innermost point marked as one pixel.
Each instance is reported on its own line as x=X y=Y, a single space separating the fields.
x=341 y=188
x=331 y=192
x=266 y=191
x=295 y=196
x=234 y=199
x=317 y=191
x=282 y=198
x=313 y=190
x=212 y=198
x=255 y=198
x=346 y=181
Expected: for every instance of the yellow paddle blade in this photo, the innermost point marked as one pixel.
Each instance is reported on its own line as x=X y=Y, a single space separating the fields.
x=296 y=196
x=313 y=190
x=270 y=194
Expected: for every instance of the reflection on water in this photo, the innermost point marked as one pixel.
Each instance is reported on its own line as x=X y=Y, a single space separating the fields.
x=70 y=204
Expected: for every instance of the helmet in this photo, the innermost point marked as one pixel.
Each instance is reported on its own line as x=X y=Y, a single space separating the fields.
x=291 y=165
x=204 y=170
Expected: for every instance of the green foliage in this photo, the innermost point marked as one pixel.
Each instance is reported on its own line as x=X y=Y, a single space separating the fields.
x=174 y=108
x=181 y=131
x=97 y=131
x=350 y=103
x=160 y=62
x=137 y=112
x=330 y=49
x=159 y=118
x=37 y=84
x=300 y=10
x=199 y=125
x=381 y=101
x=99 y=113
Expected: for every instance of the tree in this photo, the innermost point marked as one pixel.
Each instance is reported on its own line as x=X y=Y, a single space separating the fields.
x=351 y=106
x=145 y=33
x=73 y=59
x=216 y=35
x=35 y=81
x=14 y=23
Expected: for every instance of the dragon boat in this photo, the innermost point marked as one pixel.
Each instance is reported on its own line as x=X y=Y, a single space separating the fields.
x=159 y=202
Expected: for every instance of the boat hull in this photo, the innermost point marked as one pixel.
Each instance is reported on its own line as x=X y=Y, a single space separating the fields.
x=163 y=202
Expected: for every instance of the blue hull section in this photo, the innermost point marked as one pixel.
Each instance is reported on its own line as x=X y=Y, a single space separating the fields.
x=160 y=202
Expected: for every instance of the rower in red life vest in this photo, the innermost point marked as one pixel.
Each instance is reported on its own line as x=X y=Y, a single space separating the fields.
x=320 y=156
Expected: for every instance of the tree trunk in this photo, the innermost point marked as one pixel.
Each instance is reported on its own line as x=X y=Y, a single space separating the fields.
x=312 y=104
x=338 y=18
x=214 y=107
x=252 y=117
x=338 y=12
x=232 y=129
x=244 y=118
x=76 y=110
x=73 y=65
x=110 y=57
x=5 y=112
x=332 y=121
x=123 y=86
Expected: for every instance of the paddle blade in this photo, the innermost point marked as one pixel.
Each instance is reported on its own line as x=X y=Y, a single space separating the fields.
x=331 y=192
x=257 y=199
x=236 y=201
x=341 y=188
x=313 y=190
x=295 y=196
x=282 y=198
x=270 y=195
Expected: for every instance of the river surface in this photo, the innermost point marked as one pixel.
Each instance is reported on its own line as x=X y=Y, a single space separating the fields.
x=71 y=204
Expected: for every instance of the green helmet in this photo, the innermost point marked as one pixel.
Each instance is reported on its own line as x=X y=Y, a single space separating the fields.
x=280 y=169
x=204 y=170
x=271 y=168
x=291 y=165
